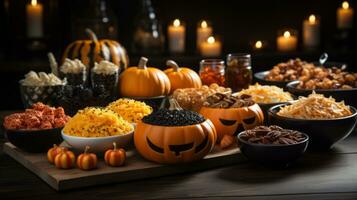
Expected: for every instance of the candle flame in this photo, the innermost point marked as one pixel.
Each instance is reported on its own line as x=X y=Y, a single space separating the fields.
x=345 y=5
x=177 y=23
x=259 y=44
x=312 y=19
x=211 y=39
x=33 y=2
x=204 y=24
x=287 y=34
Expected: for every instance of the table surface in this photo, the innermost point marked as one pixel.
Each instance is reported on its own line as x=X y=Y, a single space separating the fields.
x=318 y=175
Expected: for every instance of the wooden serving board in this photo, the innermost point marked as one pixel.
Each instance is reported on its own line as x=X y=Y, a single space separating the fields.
x=136 y=168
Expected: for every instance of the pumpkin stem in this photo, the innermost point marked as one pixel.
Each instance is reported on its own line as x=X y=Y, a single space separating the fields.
x=115 y=146
x=174 y=105
x=86 y=149
x=173 y=64
x=91 y=34
x=142 y=63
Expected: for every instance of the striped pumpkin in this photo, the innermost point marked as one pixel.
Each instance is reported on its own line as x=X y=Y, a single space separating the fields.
x=115 y=157
x=94 y=50
x=65 y=160
x=87 y=161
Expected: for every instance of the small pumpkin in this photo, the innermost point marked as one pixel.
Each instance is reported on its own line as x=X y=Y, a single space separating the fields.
x=94 y=50
x=143 y=81
x=87 y=161
x=182 y=77
x=115 y=157
x=174 y=144
x=65 y=160
x=231 y=121
x=53 y=152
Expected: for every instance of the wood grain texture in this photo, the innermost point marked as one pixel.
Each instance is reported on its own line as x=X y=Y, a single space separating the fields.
x=135 y=168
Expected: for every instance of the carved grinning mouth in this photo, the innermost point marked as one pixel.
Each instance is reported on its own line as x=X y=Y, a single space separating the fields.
x=177 y=149
x=227 y=122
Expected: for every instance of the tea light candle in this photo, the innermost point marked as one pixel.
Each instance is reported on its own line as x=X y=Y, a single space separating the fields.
x=345 y=16
x=34 y=19
x=311 y=32
x=204 y=30
x=176 y=34
x=258 y=45
x=211 y=47
x=286 y=42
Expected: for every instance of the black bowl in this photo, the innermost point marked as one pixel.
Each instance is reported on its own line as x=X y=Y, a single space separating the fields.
x=265 y=108
x=34 y=140
x=323 y=133
x=260 y=78
x=45 y=94
x=273 y=154
x=154 y=102
x=347 y=95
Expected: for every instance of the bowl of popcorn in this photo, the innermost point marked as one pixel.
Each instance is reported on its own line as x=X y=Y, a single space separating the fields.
x=40 y=87
x=98 y=128
x=266 y=96
x=324 y=119
x=37 y=128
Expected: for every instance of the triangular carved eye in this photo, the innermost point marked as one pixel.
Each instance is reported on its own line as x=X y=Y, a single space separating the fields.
x=250 y=120
x=202 y=145
x=227 y=122
x=154 y=147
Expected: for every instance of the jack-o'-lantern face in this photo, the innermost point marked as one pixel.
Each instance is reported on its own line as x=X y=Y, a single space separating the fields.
x=174 y=144
x=232 y=121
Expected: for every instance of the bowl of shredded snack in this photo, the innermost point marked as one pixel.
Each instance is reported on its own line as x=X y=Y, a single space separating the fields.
x=325 y=120
x=131 y=110
x=97 y=128
x=266 y=96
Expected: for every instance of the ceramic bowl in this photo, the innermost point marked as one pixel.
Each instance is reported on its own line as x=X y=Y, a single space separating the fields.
x=323 y=133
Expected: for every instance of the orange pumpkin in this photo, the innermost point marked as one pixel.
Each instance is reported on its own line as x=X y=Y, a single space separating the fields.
x=94 y=50
x=182 y=77
x=115 y=157
x=53 y=152
x=231 y=121
x=174 y=144
x=65 y=160
x=143 y=81
x=87 y=161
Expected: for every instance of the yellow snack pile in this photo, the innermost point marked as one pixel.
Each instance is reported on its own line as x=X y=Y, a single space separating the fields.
x=97 y=122
x=315 y=106
x=266 y=94
x=131 y=110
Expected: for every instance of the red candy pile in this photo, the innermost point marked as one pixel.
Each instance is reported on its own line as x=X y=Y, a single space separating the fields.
x=40 y=116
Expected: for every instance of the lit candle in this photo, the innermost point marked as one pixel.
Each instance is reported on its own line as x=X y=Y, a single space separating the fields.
x=258 y=45
x=211 y=47
x=286 y=42
x=345 y=16
x=203 y=32
x=34 y=19
x=176 y=33
x=311 y=32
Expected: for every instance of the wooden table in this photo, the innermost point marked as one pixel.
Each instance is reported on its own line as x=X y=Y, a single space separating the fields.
x=324 y=175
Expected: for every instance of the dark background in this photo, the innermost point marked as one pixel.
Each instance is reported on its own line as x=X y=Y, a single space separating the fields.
x=237 y=23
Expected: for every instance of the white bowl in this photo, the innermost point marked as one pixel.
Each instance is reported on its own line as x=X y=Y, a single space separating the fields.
x=98 y=144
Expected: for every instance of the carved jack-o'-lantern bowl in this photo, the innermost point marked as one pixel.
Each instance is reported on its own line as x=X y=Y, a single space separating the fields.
x=174 y=135
x=231 y=115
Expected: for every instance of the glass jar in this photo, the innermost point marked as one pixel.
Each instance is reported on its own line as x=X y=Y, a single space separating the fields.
x=148 y=37
x=212 y=71
x=238 y=74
